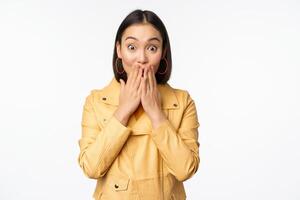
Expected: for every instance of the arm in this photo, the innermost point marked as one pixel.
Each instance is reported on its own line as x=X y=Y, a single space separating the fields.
x=99 y=147
x=180 y=150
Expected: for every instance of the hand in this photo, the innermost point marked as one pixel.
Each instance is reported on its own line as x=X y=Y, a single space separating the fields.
x=151 y=98
x=130 y=95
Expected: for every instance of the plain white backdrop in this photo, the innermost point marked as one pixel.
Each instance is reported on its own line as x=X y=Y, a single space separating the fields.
x=238 y=59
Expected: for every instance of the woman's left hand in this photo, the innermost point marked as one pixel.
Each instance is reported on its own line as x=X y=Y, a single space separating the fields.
x=151 y=98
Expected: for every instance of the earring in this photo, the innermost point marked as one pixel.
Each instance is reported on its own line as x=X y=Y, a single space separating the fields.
x=166 y=66
x=117 y=66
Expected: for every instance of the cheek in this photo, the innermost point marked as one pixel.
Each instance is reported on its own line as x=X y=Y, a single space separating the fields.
x=127 y=57
x=127 y=64
x=155 y=60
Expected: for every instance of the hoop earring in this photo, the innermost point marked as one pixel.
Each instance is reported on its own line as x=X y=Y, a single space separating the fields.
x=118 y=66
x=166 y=67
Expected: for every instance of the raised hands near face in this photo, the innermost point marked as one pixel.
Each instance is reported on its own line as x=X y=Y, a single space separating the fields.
x=150 y=96
x=140 y=88
x=130 y=93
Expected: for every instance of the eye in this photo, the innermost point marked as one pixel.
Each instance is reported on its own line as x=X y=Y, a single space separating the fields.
x=153 y=48
x=130 y=47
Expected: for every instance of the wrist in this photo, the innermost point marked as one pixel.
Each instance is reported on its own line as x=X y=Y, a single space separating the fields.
x=158 y=119
x=122 y=116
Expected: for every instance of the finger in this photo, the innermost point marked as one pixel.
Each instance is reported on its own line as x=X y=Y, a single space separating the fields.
x=154 y=78
x=137 y=81
x=144 y=88
x=141 y=87
x=132 y=75
x=135 y=74
x=148 y=86
x=150 y=81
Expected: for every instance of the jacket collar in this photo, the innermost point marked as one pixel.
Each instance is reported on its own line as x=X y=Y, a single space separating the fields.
x=110 y=95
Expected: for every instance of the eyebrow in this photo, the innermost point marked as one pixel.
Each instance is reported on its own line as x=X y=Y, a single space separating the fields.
x=153 y=38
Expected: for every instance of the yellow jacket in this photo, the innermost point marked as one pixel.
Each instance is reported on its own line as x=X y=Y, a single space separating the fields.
x=138 y=162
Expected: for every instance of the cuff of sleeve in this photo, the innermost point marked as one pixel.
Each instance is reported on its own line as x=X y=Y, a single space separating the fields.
x=115 y=124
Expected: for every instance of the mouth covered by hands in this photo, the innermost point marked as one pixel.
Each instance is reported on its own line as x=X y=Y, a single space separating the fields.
x=141 y=88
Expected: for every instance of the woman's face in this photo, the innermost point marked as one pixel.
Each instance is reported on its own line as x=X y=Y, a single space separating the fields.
x=140 y=44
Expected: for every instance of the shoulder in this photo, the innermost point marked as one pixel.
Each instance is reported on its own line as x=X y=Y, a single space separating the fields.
x=188 y=108
x=93 y=95
x=182 y=95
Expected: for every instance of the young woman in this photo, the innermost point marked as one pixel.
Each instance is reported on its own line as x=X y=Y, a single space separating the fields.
x=140 y=135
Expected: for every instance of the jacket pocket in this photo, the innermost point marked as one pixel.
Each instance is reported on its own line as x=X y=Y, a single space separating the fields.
x=120 y=184
x=116 y=187
x=112 y=186
x=116 y=184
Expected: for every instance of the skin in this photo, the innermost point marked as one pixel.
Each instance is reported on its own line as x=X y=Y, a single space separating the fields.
x=140 y=58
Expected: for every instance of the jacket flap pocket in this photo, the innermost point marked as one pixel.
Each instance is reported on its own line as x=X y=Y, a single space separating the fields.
x=120 y=184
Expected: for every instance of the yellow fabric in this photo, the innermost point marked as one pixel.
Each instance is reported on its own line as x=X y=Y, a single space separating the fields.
x=138 y=162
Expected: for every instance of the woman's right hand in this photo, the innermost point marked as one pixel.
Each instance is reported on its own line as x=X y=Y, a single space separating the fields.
x=130 y=95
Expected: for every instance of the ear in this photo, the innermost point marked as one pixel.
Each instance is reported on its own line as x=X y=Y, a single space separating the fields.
x=118 y=46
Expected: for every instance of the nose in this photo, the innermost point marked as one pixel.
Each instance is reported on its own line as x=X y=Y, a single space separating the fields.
x=142 y=58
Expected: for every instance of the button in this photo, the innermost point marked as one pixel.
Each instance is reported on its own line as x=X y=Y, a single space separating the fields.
x=116 y=186
x=175 y=105
x=103 y=98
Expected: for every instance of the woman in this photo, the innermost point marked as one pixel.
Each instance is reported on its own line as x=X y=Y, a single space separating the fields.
x=140 y=135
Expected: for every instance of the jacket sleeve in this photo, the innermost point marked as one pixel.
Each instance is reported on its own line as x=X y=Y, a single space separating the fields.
x=99 y=147
x=180 y=150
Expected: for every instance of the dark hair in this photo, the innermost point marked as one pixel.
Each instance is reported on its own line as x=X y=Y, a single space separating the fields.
x=139 y=17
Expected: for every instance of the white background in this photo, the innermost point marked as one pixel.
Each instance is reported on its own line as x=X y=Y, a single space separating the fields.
x=238 y=59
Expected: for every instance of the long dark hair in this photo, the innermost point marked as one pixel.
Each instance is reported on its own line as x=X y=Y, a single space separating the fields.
x=137 y=17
